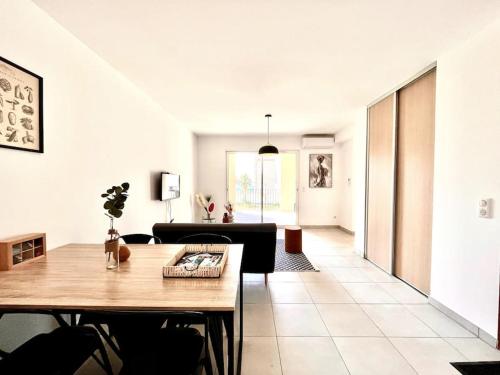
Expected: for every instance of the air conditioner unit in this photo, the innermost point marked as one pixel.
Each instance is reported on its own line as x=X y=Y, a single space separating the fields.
x=318 y=140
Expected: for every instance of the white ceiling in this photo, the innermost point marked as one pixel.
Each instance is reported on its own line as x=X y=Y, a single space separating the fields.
x=219 y=65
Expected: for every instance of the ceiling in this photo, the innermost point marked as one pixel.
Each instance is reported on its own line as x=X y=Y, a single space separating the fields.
x=219 y=66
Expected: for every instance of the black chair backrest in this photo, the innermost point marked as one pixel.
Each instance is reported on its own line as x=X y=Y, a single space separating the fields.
x=200 y=238
x=139 y=238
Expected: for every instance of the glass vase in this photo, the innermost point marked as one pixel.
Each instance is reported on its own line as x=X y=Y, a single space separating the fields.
x=112 y=249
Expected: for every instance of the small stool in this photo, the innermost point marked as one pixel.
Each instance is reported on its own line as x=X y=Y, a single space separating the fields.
x=293 y=239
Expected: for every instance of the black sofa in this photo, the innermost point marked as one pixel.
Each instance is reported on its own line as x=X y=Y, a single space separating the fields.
x=259 y=240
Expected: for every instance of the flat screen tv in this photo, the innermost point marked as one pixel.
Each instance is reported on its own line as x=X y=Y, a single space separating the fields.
x=170 y=186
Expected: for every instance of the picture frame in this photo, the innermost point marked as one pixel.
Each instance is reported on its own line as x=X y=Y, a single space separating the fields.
x=320 y=171
x=21 y=108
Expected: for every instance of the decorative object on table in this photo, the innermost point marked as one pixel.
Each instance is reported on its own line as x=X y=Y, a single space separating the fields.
x=229 y=208
x=114 y=205
x=205 y=202
x=268 y=149
x=320 y=170
x=21 y=108
x=286 y=262
x=21 y=249
x=198 y=260
x=123 y=253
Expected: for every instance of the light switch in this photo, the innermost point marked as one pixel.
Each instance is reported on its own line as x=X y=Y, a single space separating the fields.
x=485 y=208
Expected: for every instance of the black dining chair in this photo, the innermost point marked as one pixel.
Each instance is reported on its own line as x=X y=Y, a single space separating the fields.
x=140 y=238
x=97 y=319
x=203 y=238
x=215 y=324
x=60 y=352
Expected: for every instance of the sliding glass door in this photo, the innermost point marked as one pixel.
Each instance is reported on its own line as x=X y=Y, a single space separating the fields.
x=262 y=189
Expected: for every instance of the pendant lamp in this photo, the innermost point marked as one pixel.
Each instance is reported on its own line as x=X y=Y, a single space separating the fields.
x=268 y=149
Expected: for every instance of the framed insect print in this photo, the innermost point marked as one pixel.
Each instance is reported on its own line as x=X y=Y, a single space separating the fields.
x=21 y=108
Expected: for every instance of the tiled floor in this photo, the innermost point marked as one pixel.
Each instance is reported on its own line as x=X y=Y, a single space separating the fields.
x=350 y=318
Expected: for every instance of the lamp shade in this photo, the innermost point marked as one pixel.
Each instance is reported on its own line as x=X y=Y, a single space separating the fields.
x=268 y=150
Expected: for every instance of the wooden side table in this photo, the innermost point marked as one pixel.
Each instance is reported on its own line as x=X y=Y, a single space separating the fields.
x=293 y=239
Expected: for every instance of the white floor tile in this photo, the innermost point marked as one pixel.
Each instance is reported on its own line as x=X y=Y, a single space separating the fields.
x=260 y=356
x=397 y=321
x=440 y=323
x=289 y=293
x=298 y=320
x=429 y=356
x=310 y=355
x=328 y=293
x=368 y=293
x=285 y=277
x=403 y=293
x=350 y=275
x=258 y=320
x=318 y=277
x=347 y=320
x=256 y=293
x=372 y=356
x=378 y=276
x=475 y=349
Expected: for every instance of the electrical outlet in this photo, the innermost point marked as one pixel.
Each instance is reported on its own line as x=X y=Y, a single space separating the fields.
x=485 y=208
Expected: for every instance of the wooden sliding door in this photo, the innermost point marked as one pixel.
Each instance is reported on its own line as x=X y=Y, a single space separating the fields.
x=380 y=183
x=415 y=171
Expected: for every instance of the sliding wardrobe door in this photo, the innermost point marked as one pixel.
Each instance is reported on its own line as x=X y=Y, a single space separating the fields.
x=415 y=171
x=380 y=183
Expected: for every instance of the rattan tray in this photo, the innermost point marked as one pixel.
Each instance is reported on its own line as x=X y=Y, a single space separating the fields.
x=170 y=269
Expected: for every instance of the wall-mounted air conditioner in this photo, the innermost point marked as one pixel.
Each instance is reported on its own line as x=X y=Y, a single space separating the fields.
x=318 y=140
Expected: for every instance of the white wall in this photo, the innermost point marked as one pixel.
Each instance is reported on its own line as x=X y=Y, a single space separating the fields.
x=345 y=217
x=465 y=254
x=100 y=130
x=316 y=206
x=359 y=178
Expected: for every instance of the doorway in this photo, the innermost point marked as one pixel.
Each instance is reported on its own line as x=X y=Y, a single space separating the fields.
x=262 y=189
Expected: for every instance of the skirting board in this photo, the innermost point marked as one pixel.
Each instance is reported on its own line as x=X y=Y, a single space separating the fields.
x=486 y=337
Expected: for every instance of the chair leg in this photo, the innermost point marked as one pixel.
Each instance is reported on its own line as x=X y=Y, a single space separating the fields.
x=265 y=278
x=207 y=362
x=108 y=339
x=106 y=364
x=217 y=338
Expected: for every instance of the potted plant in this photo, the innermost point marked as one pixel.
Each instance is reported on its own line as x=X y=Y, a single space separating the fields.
x=208 y=206
x=114 y=205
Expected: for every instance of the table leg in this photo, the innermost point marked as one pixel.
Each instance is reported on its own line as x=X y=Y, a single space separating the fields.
x=217 y=338
x=228 y=318
x=240 y=346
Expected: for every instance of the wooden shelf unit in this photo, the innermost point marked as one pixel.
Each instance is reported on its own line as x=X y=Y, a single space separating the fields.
x=21 y=249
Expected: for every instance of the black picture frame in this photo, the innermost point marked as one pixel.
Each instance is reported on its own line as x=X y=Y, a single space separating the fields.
x=40 y=149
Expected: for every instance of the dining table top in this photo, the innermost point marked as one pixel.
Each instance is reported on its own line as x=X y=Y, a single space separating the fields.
x=74 y=277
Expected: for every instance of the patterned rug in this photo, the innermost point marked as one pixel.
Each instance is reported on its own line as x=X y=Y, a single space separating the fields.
x=291 y=262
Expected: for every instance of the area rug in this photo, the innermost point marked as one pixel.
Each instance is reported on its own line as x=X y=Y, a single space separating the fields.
x=477 y=368
x=291 y=262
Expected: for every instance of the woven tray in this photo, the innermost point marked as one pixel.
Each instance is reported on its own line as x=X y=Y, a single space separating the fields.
x=171 y=270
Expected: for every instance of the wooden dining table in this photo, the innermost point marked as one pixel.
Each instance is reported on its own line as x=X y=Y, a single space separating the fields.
x=73 y=279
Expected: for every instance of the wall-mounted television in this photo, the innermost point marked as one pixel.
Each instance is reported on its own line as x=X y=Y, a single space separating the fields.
x=170 y=186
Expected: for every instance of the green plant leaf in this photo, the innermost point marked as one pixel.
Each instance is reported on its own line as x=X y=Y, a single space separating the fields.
x=116 y=212
x=104 y=195
x=125 y=185
x=118 y=189
x=120 y=205
x=110 y=191
x=108 y=205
